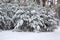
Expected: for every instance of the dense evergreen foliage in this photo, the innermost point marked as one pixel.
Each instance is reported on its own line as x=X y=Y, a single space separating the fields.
x=27 y=18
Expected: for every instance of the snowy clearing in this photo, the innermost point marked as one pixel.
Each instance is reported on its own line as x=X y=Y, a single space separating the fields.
x=9 y=35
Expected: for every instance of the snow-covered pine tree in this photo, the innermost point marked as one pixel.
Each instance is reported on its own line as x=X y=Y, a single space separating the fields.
x=41 y=20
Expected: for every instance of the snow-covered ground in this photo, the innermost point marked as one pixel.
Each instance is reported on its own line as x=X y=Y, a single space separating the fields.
x=9 y=35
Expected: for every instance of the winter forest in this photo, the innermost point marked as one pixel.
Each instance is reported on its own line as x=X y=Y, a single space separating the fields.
x=29 y=15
